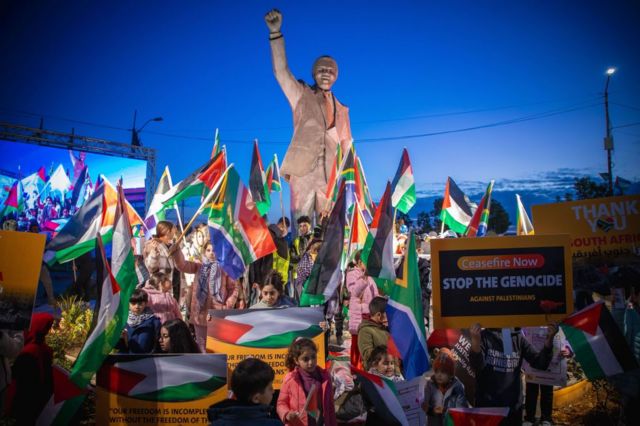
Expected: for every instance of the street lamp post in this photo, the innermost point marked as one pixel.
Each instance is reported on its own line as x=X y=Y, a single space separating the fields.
x=135 y=132
x=608 y=140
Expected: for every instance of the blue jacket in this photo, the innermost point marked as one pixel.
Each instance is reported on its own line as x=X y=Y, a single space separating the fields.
x=453 y=397
x=232 y=412
x=142 y=338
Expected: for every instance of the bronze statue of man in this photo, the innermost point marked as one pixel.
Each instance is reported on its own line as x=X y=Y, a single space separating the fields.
x=320 y=123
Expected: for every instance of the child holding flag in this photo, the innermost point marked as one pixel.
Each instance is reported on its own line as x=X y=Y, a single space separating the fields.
x=443 y=389
x=306 y=395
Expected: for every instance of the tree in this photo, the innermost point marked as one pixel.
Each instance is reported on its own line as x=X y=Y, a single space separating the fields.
x=424 y=222
x=586 y=189
x=435 y=213
x=498 y=218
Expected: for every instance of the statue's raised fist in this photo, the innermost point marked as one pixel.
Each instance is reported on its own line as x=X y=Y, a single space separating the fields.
x=273 y=18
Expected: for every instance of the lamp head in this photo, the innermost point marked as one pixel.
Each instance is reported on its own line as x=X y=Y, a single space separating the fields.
x=610 y=71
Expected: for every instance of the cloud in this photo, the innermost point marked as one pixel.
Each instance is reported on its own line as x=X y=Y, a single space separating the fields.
x=560 y=180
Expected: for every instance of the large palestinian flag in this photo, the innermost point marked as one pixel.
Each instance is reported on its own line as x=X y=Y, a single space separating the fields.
x=113 y=310
x=64 y=402
x=381 y=393
x=377 y=253
x=598 y=343
x=326 y=273
x=265 y=328
x=164 y=378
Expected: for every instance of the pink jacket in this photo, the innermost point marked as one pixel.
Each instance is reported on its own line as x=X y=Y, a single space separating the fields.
x=292 y=398
x=163 y=305
x=230 y=291
x=362 y=289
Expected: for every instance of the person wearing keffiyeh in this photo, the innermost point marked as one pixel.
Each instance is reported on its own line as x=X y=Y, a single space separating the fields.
x=212 y=289
x=141 y=332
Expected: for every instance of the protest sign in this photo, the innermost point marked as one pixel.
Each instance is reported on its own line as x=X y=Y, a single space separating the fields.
x=501 y=281
x=411 y=397
x=264 y=334
x=20 y=263
x=556 y=373
x=598 y=227
x=159 y=389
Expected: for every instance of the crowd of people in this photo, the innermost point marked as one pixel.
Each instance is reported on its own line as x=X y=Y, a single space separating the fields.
x=169 y=311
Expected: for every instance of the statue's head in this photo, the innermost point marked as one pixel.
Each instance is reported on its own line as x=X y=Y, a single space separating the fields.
x=325 y=72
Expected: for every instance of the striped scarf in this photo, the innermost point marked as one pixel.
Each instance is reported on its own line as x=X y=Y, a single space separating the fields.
x=209 y=283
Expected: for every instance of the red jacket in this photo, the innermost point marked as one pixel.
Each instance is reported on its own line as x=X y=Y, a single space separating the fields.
x=292 y=398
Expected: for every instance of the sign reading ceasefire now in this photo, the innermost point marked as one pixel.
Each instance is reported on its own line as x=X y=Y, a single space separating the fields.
x=607 y=227
x=501 y=281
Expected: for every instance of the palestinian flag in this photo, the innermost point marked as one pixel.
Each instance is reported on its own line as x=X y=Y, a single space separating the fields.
x=523 y=224
x=156 y=211
x=198 y=183
x=265 y=328
x=598 y=343
x=326 y=273
x=362 y=192
x=113 y=308
x=485 y=416
x=258 y=182
x=406 y=319
x=164 y=378
x=403 y=187
x=238 y=232
x=65 y=401
x=273 y=172
x=457 y=209
x=78 y=186
x=381 y=393
x=480 y=220
x=14 y=203
x=78 y=236
x=377 y=253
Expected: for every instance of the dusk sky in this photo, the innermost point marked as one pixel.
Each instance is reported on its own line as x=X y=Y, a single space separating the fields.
x=405 y=68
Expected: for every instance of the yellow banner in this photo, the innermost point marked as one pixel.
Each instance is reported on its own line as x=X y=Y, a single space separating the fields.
x=20 y=262
x=275 y=357
x=118 y=405
x=601 y=227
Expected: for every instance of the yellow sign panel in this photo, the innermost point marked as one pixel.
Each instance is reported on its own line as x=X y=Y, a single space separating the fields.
x=20 y=262
x=501 y=281
x=159 y=389
x=601 y=227
x=275 y=357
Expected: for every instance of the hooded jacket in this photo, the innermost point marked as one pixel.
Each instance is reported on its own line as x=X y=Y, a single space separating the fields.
x=498 y=373
x=32 y=372
x=370 y=335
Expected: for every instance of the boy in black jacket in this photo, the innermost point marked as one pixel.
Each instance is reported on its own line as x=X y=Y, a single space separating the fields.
x=498 y=367
x=252 y=386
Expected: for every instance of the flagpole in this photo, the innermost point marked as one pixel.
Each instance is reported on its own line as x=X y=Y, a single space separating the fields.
x=175 y=206
x=442 y=227
x=204 y=203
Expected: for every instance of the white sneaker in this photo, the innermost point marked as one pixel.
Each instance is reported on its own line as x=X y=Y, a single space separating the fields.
x=526 y=423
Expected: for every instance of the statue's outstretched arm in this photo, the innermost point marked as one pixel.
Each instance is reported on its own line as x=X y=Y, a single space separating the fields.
x=290 y=86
